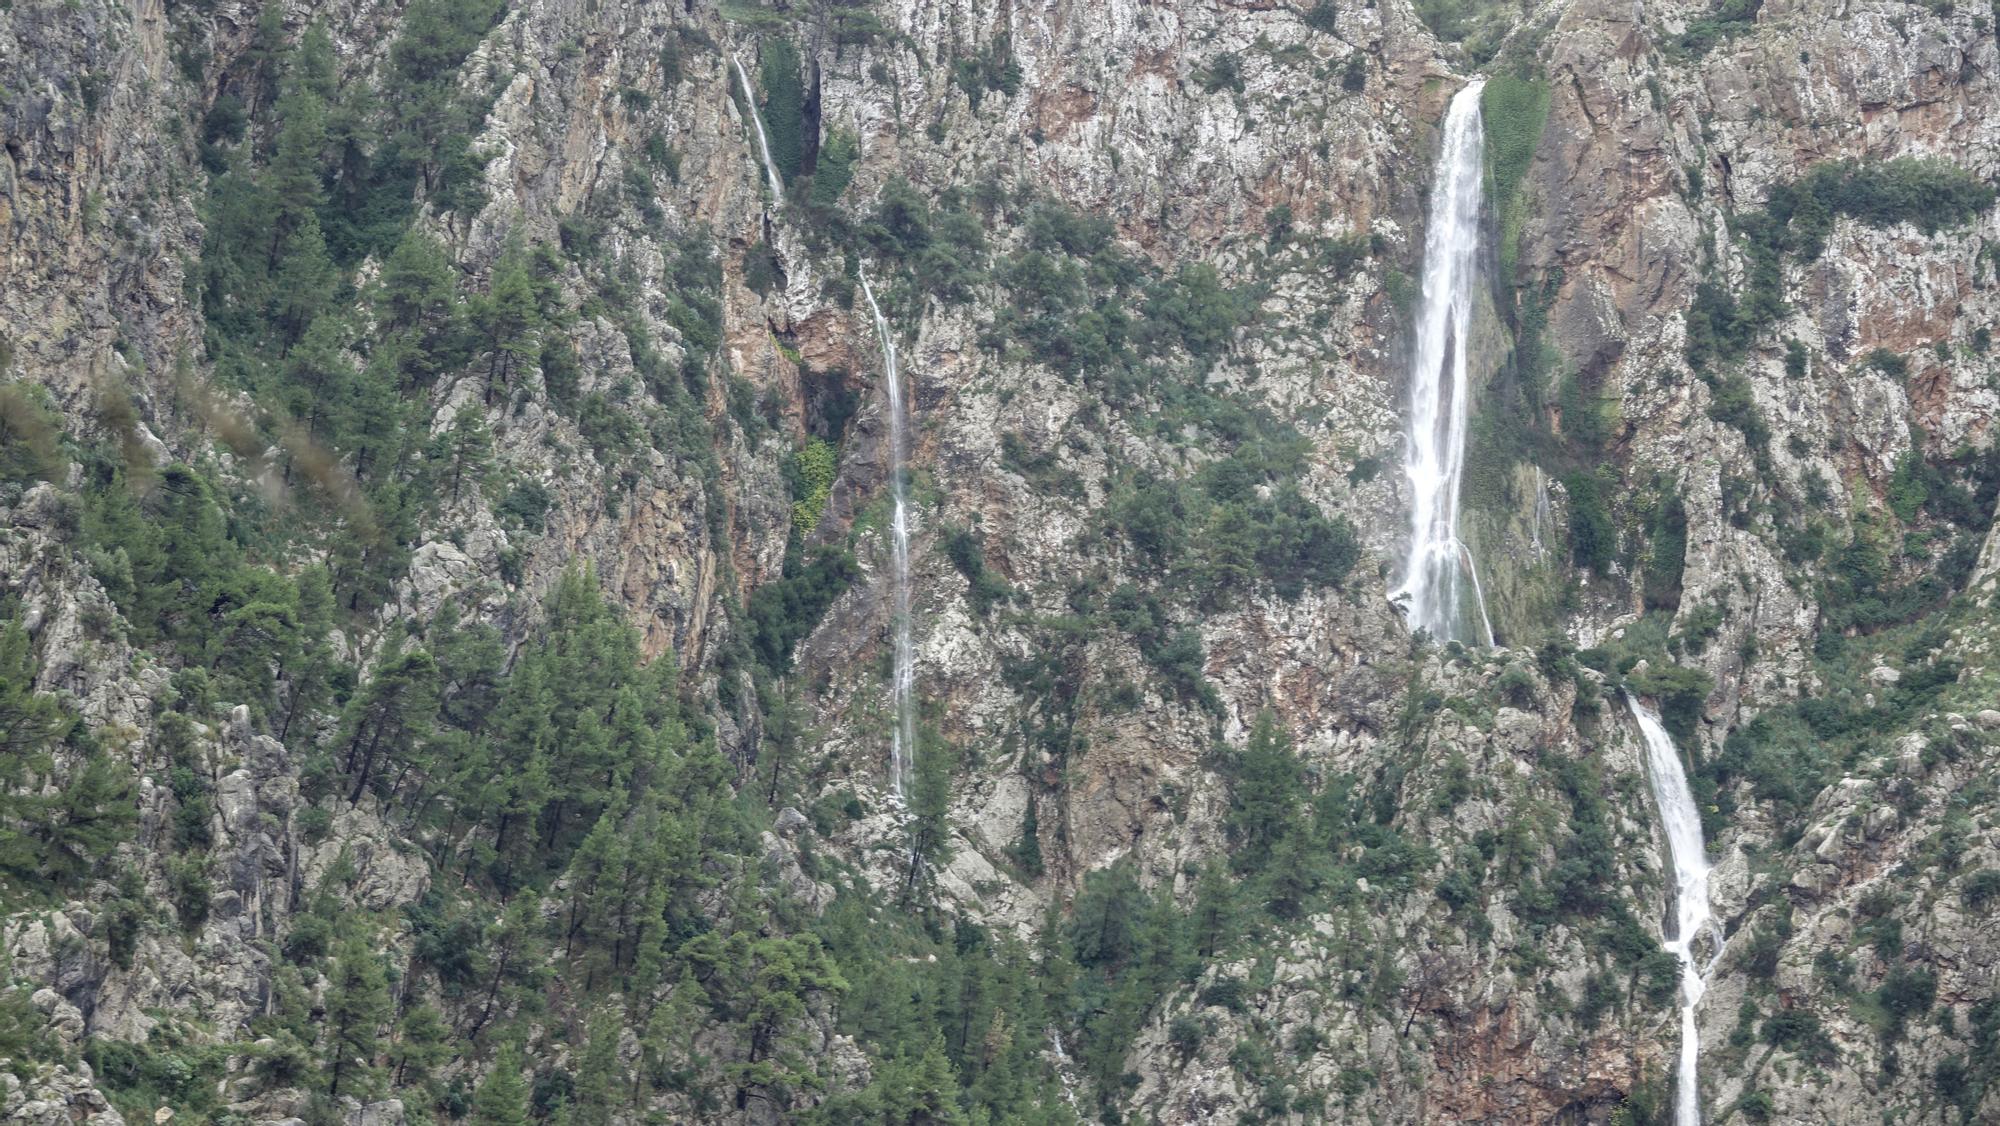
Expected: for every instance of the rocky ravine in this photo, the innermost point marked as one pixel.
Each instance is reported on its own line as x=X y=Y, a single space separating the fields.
x=1188 y=125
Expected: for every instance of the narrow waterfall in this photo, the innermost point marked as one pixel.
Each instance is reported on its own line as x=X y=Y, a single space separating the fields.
x=1432 y=590
x=757 y=123
x=1681 y=820
x=902 y=692
x=1543 y=511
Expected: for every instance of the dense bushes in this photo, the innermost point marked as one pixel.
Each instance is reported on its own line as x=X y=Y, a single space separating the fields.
x=782 y=613
x=967 y=553
x=1704 y=32
x=59 y=819
x=1240 y=525
x=1666 y=555
x=1593 y=539
x=1476 y=25
x=1796 y=221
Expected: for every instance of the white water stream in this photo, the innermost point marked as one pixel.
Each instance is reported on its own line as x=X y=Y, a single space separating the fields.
x=757 y=123
x=902 y=693
x=1433 y=590
x=1681 y=820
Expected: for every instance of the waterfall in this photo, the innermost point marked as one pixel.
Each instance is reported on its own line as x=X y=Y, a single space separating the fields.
x=757 y=123
x=1543 y=513
x=1681 y=820
x=902 y=693
x=1431 y=587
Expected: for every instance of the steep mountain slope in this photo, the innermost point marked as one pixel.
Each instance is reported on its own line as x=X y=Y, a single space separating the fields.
x=443 y=547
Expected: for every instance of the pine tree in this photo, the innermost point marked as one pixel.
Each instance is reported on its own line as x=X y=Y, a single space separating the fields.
x=508 y=321
x=671 y=1060
x=930 y=802
x=357 y=1005
x=303 y=280
x=390 y=719
x=502 y=1097
x=320 y=379
x=422 y=1043
x=30 y=721
x=516 y=956
x=294 y=176
x=465 y=451
x=600 y=1077
x=309 y=676
x=68 y=833
x=1213 y=922
x=88 y=817
x=1264 y=801
x=905 y=1091
x=418 y=306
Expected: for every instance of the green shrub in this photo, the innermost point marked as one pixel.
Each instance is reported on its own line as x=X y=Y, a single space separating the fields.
x=813 y=467
x=1798 y=217
x=968 y=555
x=1702 y=34
x=1907 y=992
x=1796 y=1030
x=1228 y=993
x=1354 y=74
x=835 y=167
x=1476 y=25
x=1185 y=1035
x=30 y=434
x=1224 y=72
x=782 y=613
x=1666 y=555
x=526 y=506
x=1593 y=542
x=1756 y=1106
x=1681 y=693
x=1795 y=359
x=993 y=69
x=1734 y=404
x=1981 y=889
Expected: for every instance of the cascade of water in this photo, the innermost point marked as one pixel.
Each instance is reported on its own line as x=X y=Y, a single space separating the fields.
x=1681 y=820
x=1542 y=510
x=757 y=123
x=1431 y=587
x=902 y=693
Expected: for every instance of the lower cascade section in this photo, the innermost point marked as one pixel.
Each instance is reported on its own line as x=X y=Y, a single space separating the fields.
x=902 y=691
x=1695 y=941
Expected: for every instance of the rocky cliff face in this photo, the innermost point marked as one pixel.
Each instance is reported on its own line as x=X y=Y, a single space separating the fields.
x=1152 y=266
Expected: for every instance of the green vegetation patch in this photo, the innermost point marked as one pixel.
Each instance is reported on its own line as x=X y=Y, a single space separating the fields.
x=1514 y=110
x=1796 y=221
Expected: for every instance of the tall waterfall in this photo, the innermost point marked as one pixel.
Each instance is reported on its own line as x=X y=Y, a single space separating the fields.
x=1682 y=821
x=902 y=692
x=1435 y=456
x=757 y=123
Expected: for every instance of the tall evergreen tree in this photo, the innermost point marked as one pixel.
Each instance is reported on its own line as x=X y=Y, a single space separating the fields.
x=390 y=720
x=1266 y=795
x=357 y=1005
x=502 y=1097
x=600 y=1076
x=508 y=321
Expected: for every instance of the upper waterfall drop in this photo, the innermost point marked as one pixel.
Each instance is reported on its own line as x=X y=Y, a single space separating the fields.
x=1432 y=586
x=757 y=123
x=1680 y=818
x=902 y=691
